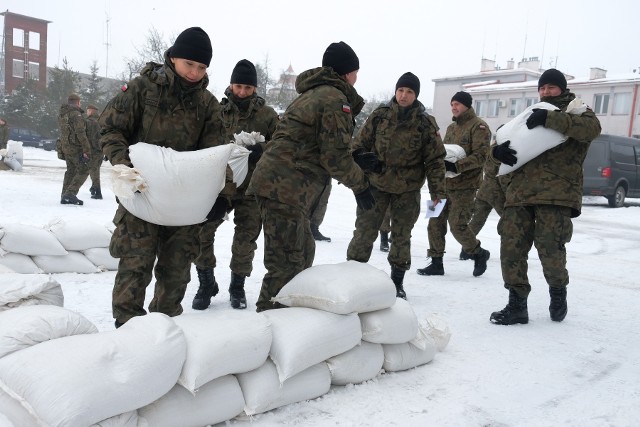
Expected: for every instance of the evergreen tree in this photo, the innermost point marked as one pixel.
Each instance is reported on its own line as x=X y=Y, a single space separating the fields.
x=92 y=94
x=62 y=82
x=25 y=108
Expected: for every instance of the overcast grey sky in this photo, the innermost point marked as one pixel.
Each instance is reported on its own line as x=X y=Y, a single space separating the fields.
x=432 y=39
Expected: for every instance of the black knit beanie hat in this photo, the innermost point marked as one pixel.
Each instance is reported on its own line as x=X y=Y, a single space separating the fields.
x=553 y=77
x=244 y=73
x=463 y=98
x=192 y=44
x=341 y=58
x=411 y=81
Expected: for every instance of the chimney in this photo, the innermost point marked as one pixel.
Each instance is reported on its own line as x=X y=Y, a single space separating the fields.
x=487 y=65
x=532 y=63
x=510 y=64
x=597 y=73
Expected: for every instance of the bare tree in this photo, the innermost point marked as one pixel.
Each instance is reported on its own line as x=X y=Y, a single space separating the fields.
x=152 y=51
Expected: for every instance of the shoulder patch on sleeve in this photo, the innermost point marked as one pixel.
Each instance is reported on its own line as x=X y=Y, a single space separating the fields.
x=482 y=127
x=124 y=87
x=346 y=108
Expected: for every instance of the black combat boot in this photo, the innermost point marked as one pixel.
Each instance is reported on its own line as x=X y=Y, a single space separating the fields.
x=464 y=256
x=70 y=199
x=514 y=312
x=92 y=190
x=207 y=290
x=236 y=292
x=96 y=194
x=397 y=276
x=384 y=241
x=434 y=269
x=317 y=235
x=558 y=307
x=480 y=262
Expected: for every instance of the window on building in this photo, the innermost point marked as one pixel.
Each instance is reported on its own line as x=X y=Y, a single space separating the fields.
x=601 y=103
x=530 y=101
x=515 y=107
x=18 y=37
x=34 y=40
x=494 y=105
x=34 y=71
x=481 y=108
x=18 y=69
x=621 y=103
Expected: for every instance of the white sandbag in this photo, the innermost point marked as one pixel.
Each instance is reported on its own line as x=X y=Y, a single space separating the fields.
x=454 y=153
x=362 y=363
x=217 y=401
x=6 y=269
x=221 y=343
x=29 y=289
x=343 y=288
x=182 y=185
x=394 y=325
x=83 y=379
x=303 y=337
x=15 y=413
x=263 y=391
x=432 y=328
x=528 y=143
x=128 y=419
x=101 y=258
x=72 y=262
x=80 y=235
x=14 y=155
x=19 y=263
x=22 y=327
x=400 y=357
x=29 y=240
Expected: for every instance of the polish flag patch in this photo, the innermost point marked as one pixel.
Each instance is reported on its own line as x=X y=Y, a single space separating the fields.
x=346 y=108
x=124 y=87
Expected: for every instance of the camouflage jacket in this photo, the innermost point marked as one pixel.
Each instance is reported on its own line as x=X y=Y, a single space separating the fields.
x=93 y=134
x=256 y=117
x=472 y=134
x=159 y=108
x=311 y=144
x=407 y=143
x=555 y=176
x=489 y=185
x=4 y=135
x=73 y=131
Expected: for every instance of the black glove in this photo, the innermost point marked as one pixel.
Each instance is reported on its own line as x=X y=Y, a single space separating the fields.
x=450 y=166
x=365 y=200
x=367 y=161
x=538 y=117
x=256 y=152
x=505 y=154
x=105 y=159
x=218 y=210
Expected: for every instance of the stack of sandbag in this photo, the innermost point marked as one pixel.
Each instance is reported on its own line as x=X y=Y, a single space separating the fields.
x=59 y=247
x=12 y=157
x=93 y=378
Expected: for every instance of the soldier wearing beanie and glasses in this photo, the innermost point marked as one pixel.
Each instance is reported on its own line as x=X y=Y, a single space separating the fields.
x=310 y=147
x=404 y=143
x=473 y=135
x=242 y=110
x=541 y=197
x=167 y=105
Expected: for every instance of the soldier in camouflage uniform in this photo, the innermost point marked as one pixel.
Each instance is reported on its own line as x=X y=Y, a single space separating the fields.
x=310 y=146
x=541 y=197
x=242 y=110
x=4 y=133
x=471 y=133
x=167 y=105
x=76 y=148
x=93 y=133
x=406 y=142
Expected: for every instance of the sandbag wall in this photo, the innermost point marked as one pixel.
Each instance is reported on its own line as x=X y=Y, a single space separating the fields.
x=58 y=247
x=345 y=325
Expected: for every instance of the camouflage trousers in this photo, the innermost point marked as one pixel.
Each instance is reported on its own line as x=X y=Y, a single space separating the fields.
x=547 y=227
x=139 y=244
x=386 y=222
x=317 y=216
x=457 y=212
x=404 y=210
x=248 y=224
x=94 y=168
x=289 y=247
x=75 y=175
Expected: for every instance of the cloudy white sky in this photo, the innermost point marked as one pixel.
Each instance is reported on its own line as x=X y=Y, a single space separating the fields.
x=432 y=39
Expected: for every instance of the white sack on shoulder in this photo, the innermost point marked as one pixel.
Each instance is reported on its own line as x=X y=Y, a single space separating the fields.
x=342 y=288
x=362 y=363
x=73 y=262
x=96 y=376
x=29 y=240
x=394 y=325
x=19 y=263
x=454 y=153
x=182 y=185
x=239 y=164
x=22 y=327
x=126 y=181
x=29 y=289
x=80 y=235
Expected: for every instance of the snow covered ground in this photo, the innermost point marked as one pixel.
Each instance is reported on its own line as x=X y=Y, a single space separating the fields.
x=581 y=372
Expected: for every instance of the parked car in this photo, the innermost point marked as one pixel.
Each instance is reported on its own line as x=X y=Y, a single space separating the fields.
x=29 y=138
x=612 y=169
x=50 y=144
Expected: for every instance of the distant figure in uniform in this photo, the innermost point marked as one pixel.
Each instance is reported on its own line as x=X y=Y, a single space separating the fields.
x=76 y=148
x=93 y=133
x=4 y=133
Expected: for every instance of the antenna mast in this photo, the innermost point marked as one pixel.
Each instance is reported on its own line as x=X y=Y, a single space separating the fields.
x=107 y=44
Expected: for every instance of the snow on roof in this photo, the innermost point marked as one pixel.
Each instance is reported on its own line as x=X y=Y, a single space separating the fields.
x=621 y=78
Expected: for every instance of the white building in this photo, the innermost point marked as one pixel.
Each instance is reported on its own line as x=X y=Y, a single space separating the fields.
x=501 y=94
